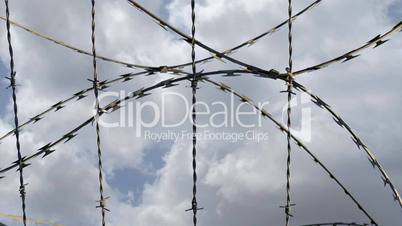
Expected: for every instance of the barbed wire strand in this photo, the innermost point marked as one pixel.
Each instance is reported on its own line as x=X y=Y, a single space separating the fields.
x=230 y=73
x=142 y=92
x=289 y=91
x=194 y=204
x=198 y=43
x=194 y=81
x=356 y=139
x=377 y=41
x=82 y=94
x=48 y=149
x=20 y=161
x=248 y=43
x=266 y=114
x=102 y=200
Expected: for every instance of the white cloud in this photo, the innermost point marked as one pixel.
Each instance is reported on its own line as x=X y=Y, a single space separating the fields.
x=238 y=183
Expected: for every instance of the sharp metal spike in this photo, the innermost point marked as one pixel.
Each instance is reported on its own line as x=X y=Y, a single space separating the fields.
x=45 y=147
x=375 y=39
x=141 y=95
x=320 y=103
x=59 y=107
x=339 y=121
x=358 y=142
x=385 y=180
x=264 y=113
x=350 y=57
x=36 y=119
x=79 y=93
x=251 y=42
x=380 y=42
x=48 y=152
x=246 y=99
x=373 y=162
x=81 y=97
x=68 y=137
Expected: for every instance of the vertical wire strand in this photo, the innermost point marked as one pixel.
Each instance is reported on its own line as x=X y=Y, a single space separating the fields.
x=16 y=122
x=98 y=140
x=194 y=116
x=289 y=112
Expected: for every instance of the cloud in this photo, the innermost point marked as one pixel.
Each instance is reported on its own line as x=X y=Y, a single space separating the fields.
x=239 y=183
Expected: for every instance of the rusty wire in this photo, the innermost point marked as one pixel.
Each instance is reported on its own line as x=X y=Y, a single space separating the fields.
x=20 y=161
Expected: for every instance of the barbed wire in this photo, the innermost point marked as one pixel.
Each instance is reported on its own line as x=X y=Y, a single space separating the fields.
x=102 y=199
x=376 y=41
x=20 y=161
x=82 y=94
x=223 y=87
x=289 y=92
x=114 y=105
x=248 y=43
x=188 y=39
x=48 y=149
x=233 y=73
x=194 y=80
x=356 y=139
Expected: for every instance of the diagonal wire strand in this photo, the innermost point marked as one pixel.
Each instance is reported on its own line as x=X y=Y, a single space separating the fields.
x=114 y=105
x=226 y=88
x=12 y=79
x=247 y=43
x=316 y=99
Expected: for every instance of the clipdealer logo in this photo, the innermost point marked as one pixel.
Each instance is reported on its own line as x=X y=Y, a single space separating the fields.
x=175 y=111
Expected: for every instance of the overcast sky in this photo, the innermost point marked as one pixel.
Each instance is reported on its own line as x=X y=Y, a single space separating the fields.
x=240 y=183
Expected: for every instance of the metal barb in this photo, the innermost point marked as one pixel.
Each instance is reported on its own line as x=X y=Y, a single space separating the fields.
x=21 y=160
x=97 y=86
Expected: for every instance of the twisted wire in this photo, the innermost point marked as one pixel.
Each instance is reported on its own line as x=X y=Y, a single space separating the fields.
x=102 y=204
x=302 y=146
x=102 y=85
x=200 y=44
x=20 y=161
x=289 y=112
x=194 y=204
x=377 y=41
x=114 y=105
x=247 y=43
x=169 y=83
